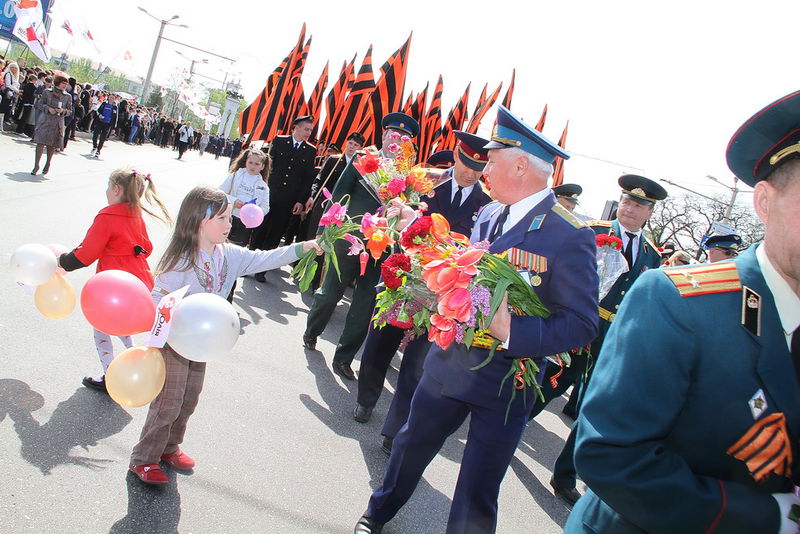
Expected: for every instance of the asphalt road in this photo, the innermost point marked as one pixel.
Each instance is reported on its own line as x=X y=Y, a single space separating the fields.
x=274 y=438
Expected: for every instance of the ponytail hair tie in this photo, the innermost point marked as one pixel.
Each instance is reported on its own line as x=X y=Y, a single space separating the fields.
x=145 y=176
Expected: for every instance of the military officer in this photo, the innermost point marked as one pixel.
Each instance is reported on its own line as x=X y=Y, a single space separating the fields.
x=722 y=242
x=363 y=198
x=443 y=159
x=289 y=182
x=695 y=428
x=458 y=198
x=567 y=195
x=525 y=218
x=639 y=195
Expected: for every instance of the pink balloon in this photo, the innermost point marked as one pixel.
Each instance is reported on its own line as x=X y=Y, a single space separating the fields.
x=251 y=215
x=117 y=303
x=58 y=249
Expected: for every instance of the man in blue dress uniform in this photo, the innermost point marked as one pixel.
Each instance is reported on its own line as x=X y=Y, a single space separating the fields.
x=559 y=261
x=639 y=195
x=695 y=428
x=458 y=198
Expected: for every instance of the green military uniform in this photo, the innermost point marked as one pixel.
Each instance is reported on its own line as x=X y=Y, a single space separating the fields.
x=363 y=199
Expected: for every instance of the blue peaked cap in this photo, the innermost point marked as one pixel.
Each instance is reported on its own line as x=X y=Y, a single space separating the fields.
x=511 y=132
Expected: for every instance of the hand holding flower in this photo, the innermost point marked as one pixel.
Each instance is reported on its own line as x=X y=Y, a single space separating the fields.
x=500 y=327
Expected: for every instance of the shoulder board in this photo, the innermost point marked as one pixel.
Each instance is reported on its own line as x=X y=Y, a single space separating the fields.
x=599 y=222
x=695 y=280
x=647 y=240
x=567 y=215
x=310 y=145
x=336 y=156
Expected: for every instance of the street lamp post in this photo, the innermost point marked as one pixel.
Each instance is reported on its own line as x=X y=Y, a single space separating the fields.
x=734 y=191
x=164 y=23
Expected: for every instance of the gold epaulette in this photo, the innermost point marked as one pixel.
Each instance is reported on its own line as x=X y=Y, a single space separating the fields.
x=567 y=215
x=599 y=222
x=647 y=240
x=694 y=280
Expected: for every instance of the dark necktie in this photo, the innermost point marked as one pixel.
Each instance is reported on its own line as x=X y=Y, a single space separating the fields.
x=628 y=253
x=456 y=203
x=796 y=352
x=497 y=230
x=296 y=146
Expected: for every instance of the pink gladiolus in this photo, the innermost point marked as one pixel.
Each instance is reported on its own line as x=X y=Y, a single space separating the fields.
x=334 y=215
x=394 y=135
x=405 y=139
x=326 y=193
x=363 y=258
x=368 y=223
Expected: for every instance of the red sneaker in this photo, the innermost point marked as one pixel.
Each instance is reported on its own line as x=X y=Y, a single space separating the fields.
x=149 y=473
x=178 y=460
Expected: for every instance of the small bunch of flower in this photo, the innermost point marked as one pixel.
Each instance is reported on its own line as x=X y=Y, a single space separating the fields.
x=610 y=262
x=606 y=240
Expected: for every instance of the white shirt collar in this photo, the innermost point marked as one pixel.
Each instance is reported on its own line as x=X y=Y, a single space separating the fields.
x=465 y=191
x=786 y=301
x=623 y=230
x=521 y=208
x=295 y=141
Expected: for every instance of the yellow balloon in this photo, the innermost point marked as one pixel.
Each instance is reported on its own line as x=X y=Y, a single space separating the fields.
x=136 y=376
x=55 y=299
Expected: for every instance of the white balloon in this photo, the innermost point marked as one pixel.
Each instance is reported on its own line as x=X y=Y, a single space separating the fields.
x=205 y=327
x=33 y=264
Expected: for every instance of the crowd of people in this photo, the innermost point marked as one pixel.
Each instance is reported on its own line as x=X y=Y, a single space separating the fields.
x=30 y=102
x=685 y=376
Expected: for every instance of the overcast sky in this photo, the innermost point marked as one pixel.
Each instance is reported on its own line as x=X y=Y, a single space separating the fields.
x=652 y=88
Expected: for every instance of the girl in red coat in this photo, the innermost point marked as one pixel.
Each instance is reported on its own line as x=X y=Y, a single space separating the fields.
x=118 y=239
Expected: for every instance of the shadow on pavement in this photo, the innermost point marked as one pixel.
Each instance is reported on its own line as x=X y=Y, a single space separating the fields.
x=26 y=177
x=151 y=509
x=542 y=446
x=48 y=445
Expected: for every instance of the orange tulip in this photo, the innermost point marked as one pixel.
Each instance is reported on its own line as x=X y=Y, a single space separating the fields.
x=442 y=331
x=456 y=305
x=378 y=242
x=440 y=228
x=469 y=259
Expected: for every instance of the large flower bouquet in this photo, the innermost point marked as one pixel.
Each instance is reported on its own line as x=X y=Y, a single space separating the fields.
x=393 y=179
x=451 y=288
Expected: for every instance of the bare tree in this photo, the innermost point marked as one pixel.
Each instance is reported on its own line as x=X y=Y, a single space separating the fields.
x=684 y=220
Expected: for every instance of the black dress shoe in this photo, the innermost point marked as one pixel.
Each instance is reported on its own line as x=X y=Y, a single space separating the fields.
x=261 y=278
x=343 y=370
x=386 y=446
x=99 y=385
x=568 y=495
x=362 y=413
x=367 y=525
x=309 y=342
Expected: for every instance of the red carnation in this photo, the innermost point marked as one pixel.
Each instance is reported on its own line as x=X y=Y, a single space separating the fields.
x=393 y=268
x=420 y=228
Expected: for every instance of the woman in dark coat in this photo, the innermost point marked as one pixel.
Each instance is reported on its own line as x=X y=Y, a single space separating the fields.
x=26 y=119
x=55 y=105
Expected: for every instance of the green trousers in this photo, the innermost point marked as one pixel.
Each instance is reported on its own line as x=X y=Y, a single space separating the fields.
x=330 y=293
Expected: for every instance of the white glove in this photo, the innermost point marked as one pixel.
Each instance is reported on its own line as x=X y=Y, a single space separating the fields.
x=785 y=502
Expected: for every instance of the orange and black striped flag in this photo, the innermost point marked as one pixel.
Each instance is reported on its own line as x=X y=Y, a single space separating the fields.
x=355 y=106
x=477 y=117
x=431 y=125
x=558 y=171
x=765 y=448
x=294 y=100
x=455 y=121
x=540 y=125
x=334 y=102
x=510 y=91
x=250 y=114
x=387 y=97
x=267 y=124
x=481 y=99
x=409 y=103
x=314 y=104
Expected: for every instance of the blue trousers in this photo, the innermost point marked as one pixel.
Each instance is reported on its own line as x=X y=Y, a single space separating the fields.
x=407 y=380
x=491 y=444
